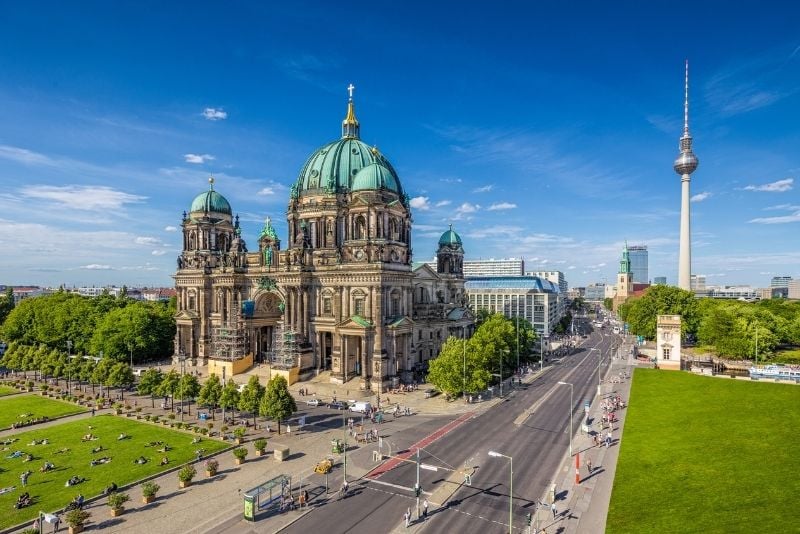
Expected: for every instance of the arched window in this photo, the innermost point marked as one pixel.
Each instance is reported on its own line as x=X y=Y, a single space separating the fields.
x=361 y=227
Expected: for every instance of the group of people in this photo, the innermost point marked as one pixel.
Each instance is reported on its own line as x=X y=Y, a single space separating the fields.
x=98 y=461
x=74 y=481
x=29 y=422
x=23 y=501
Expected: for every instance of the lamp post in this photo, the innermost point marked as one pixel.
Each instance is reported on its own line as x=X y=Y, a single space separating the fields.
x=183 y=369
x=494 y=454
x=69 y=361
x=570 y=413
x=464 y=383
x=130 y=348
x=344 y=458
x=517 y=342
x=599 y=359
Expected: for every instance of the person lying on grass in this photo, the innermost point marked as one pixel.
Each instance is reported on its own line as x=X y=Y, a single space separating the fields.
x=98 y=461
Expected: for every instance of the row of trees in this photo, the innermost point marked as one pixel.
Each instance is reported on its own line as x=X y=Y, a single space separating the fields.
x=117 y=327
x=51 y=363
x=469 y=365
x=727 y=327
x=273 y=401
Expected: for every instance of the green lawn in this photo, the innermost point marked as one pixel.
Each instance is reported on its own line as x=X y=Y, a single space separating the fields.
x=6 y=390
x=702 y=454
x=11 y=408
x=47 y=489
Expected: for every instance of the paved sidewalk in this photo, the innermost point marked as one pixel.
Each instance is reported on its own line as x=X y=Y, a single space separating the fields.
x=583 y=508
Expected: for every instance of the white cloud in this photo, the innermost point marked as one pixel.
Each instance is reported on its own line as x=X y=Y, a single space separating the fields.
x=780 y=207
x=699 y=197
x=151 y=241
x=420 y=203
x=466 y=207
x=158 y=252
x=443 y=203
x=214 y=114
x=96 y=267
x=571 y=267
x=484 y=189
x=501 y=206
x=266 y=191
x=779 y=186
x=88 y=198
x=782 y=219
x=198 y=158
x=170 y=228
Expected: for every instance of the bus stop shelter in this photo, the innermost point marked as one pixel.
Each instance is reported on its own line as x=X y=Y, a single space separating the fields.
x=266 y=496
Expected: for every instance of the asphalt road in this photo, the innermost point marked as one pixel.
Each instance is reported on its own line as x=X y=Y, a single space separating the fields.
x=538 y=445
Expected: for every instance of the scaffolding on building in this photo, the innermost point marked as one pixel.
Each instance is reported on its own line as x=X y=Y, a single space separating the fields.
x=285 y=352
x=229 y=342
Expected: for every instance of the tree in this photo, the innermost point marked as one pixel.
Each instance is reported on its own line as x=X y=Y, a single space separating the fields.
x=149 y=383
x=6 y=303
x=210 y=393
x=120 y=376
x=608 y=303
x=458 y=368
x=230 y=395
x=168 y=386
x=277 y=403
x=251 y=397
x=100 y=373
x=662 y=300
x=188 y=388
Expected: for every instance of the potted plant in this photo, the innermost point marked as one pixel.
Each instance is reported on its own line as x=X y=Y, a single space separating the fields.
x=212 y=466
x=260 y=446
x=76 y=519
x=240 y=453
x=116 y=502
x=149 y=490
x=185 y=476
x=239 y=433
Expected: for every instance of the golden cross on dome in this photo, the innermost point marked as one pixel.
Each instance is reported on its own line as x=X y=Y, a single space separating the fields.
x=350 y=90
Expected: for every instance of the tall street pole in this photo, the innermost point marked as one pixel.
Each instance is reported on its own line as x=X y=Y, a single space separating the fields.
x=464 y=383
x=417 y=488
x=570 y=412
x=517 y=341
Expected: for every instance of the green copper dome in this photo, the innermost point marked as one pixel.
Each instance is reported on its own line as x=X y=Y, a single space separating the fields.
x=211 y=202
x=375 y=176
x=450 y=237
x=334 y=167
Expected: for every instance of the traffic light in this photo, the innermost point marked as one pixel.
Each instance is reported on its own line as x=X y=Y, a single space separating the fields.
x=528 y=518
x=417 y=490
x=467 y=480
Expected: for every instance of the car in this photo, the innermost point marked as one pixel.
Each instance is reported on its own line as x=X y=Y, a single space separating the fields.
x=431 y=393
x=315 y=402
x=338 y=405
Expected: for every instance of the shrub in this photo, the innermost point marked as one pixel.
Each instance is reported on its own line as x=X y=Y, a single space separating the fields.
x=171 y=415
x=138 y=409
x=187 y=473
x=239 y=432
x=260 y=444
x=204 y=431
x=117 y=500
x=212 y=466
x=240 y=453
x=224 y=428
x=149 y=489
x=210 y=425
x=76 y=518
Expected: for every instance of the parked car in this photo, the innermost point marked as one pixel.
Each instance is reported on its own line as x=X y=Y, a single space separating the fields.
x=338 y=405
x=362 y=407
x=431 y=393
x=315 y=402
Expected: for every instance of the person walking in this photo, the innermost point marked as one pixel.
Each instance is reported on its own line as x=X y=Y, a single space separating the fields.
x=425 y=509
x=554 y=510
x=23 y=477
x=407 y=517
x=589 y=465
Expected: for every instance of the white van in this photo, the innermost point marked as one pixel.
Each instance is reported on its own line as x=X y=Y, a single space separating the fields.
x=361 y=407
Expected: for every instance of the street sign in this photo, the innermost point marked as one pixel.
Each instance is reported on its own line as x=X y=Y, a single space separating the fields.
x=428 y=467
x=586 y=406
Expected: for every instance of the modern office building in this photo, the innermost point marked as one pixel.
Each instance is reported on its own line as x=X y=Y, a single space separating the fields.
x=794 y=289
x=557 y=277
x=780 y=281
x=732 y=292
x=532 y=298
x=492 y=267
x=698 y=282
x=595 y=293
x=639 y=264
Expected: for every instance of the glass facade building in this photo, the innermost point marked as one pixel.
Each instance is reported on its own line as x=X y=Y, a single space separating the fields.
x=639 y=264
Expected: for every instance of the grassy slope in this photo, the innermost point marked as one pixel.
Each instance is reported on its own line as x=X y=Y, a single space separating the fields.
x=704 y=454
x=6 y=390
x=11 y=408
x=48 y=489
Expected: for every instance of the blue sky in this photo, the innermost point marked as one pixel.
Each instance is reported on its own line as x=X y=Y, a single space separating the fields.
x=541 y=131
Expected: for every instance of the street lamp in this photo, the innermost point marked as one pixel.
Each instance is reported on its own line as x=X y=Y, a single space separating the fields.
x=130 y=348
x=570 y=413
x=464 y=383
x=517 y=342
x=541 y=351
x=69 y=360
x=599 y=360
x=183 y=369
x=494 y=454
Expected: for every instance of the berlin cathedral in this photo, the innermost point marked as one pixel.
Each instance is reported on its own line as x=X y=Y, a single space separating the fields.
x=341 y=296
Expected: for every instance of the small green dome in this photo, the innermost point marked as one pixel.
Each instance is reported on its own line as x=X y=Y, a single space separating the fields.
x=374 y=176
x=450 y=237
x=334 y=167
x=211 y=202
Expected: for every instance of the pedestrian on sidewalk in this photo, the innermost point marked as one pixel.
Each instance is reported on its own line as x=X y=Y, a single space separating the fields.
x=425 y=509
x=553 y=493
x=407 y=517
x=589 y=465
x=554 y=510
